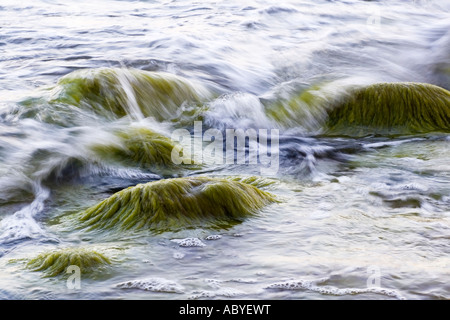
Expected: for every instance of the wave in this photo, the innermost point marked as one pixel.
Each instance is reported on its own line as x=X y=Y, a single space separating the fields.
x=336 y=108
x=22 y=224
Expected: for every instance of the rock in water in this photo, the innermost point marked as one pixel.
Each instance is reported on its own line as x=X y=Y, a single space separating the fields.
x=174 y=203
x=141 y=147
x=306 y=109
x=54 y=263
x=390 y=109
x=115 y=92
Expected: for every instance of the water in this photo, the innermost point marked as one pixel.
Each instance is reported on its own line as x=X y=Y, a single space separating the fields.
x=360 y=218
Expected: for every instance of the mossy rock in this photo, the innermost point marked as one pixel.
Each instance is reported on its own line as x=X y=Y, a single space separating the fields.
x=116 y=92
x=40 y=109
x=140 y=147
x=55 y=263
x=176 y=203
x=305 y=109
x=390 y=109
x=258 y=182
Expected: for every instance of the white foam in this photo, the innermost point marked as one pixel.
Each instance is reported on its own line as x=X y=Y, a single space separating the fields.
x=222 y=292
x=330 y=290
x=22 y=224
x=14 y=184
x=152 y=284
x=240 y=280
x=213 y=237
x=124 y=173
x=375 y=145
x=217 y=283
x=189 y=242
x=238 y=110
x=214 y=283
x=178 y=255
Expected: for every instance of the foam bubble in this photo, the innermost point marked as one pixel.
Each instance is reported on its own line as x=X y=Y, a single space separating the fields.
x=213 y=237
x=178 y=255
x=241 y=280
x=214 y=283
x=311 y=285
x=152 y=284
x=189 y=242
x=222 y=292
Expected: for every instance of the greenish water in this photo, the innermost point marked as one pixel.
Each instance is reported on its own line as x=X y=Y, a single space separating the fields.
x=358 y=217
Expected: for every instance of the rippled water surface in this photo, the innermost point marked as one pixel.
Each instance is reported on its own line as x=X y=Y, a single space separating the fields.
x=358 y=218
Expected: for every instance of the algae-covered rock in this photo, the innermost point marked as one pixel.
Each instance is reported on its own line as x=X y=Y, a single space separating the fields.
x=258 y=182
x=335 y=109
x=115 y=92
x=390 y=109
x=139 y=147
x=54 y=263
x=175 y=203
x=306 y=109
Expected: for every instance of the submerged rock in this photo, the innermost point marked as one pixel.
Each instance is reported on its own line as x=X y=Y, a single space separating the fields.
x=306 y=109
x=258 y=182
x=175 y=203
x=54 y=263
x=378 y=109
x=390 y=109
x=139 y=147
x=115 y=92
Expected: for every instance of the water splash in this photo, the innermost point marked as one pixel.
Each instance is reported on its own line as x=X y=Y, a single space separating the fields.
x=22 y=224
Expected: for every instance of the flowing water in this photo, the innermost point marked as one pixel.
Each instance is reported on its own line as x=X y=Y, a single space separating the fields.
x=358 y=218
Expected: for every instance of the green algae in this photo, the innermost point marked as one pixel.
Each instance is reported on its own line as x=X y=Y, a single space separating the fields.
x=115 y=93
x=140 y=147
x=55 y=263
x=390 y=109
x=305 y=109
x=176 y=203
x=258 y=182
